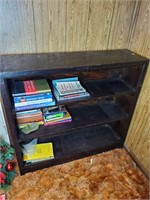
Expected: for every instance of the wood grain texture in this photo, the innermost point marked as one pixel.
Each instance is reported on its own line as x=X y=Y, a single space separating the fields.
x=76 y=22
x=50 y=25
x=18 y=34
x=121 y=22
x=99 y=23
x=138 y=139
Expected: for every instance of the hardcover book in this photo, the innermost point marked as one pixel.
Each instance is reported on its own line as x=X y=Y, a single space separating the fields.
x=30 y=87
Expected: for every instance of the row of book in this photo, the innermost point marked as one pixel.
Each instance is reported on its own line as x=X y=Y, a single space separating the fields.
x=35 y=103
x=33 y=94
x=30 y=120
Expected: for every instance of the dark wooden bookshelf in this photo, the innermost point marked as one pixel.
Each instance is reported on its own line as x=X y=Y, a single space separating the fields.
x=100 y=122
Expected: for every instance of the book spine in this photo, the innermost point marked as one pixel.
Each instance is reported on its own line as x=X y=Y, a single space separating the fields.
x=32 y=97
x=33 y=102
x=59 y=122
x=73 y=96
x=21 y=108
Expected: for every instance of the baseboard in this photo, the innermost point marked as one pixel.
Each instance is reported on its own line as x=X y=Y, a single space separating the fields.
x=137 y=162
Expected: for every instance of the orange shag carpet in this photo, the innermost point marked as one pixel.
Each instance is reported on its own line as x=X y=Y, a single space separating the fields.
x=111 y=175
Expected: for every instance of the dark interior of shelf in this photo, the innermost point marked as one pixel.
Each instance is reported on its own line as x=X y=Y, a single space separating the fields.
x=89 y=139
x=82 y=116
x=83 y=142
x=107 y=87
x=101 y=88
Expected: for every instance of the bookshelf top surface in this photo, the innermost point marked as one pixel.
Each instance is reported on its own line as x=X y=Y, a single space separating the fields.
x=24 y=63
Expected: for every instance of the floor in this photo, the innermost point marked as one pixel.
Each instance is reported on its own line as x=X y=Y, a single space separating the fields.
x=111 y=175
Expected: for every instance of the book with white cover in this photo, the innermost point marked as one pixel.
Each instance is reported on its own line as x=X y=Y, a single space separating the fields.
x=65 y=88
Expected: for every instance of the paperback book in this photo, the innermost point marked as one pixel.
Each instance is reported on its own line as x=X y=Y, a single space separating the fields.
x=30 y=98
x=34 y=106
x=68 y=88
x=56 y=115
x=29 y=116
x=42 y=152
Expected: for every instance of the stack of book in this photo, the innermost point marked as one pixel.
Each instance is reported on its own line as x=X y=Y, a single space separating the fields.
x=43 y=151
x=29 y=120
x=68 y=88
x=31 y=94
x=56 y=115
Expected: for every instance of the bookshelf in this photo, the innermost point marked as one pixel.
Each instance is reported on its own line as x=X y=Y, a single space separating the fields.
x=99 y=122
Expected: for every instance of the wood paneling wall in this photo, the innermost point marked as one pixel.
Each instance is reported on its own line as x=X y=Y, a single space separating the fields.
x=138 y=139
x=34 y=26
x=29 y=26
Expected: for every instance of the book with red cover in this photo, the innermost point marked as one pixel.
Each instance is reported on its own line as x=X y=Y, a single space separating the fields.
x=30 y=87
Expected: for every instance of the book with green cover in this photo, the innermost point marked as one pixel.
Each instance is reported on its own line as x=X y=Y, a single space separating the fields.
x=30 y=87
x=42 y=151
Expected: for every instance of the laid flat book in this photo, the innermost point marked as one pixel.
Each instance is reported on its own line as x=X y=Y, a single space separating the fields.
x=35 y=106
x=30 y=98
x=29 y=116
x=67 y=86
x=30 y=87
x=42 y=151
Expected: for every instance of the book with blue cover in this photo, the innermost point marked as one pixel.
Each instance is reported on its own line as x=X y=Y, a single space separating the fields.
x=34 y=106
x=68 y=88
x=28 y=98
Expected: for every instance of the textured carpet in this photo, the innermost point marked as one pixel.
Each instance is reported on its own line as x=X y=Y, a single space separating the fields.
x=110 y=175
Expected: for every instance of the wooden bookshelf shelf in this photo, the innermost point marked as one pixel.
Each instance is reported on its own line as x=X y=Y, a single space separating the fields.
x=90 y=115
x=100 y=122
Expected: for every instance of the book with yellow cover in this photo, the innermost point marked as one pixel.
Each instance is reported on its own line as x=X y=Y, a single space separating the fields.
x=42 y=152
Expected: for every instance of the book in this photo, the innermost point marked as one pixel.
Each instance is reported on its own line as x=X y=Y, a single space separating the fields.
x=29 y=87
x=57 y=122
x=35 y=97
x=68 y=88
x=34 y=106
x=54 y=112
x=29 y=116
x=71 y=96
x=42 y=151
x=32 y=102
x=70 y=79
x=62 y=118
